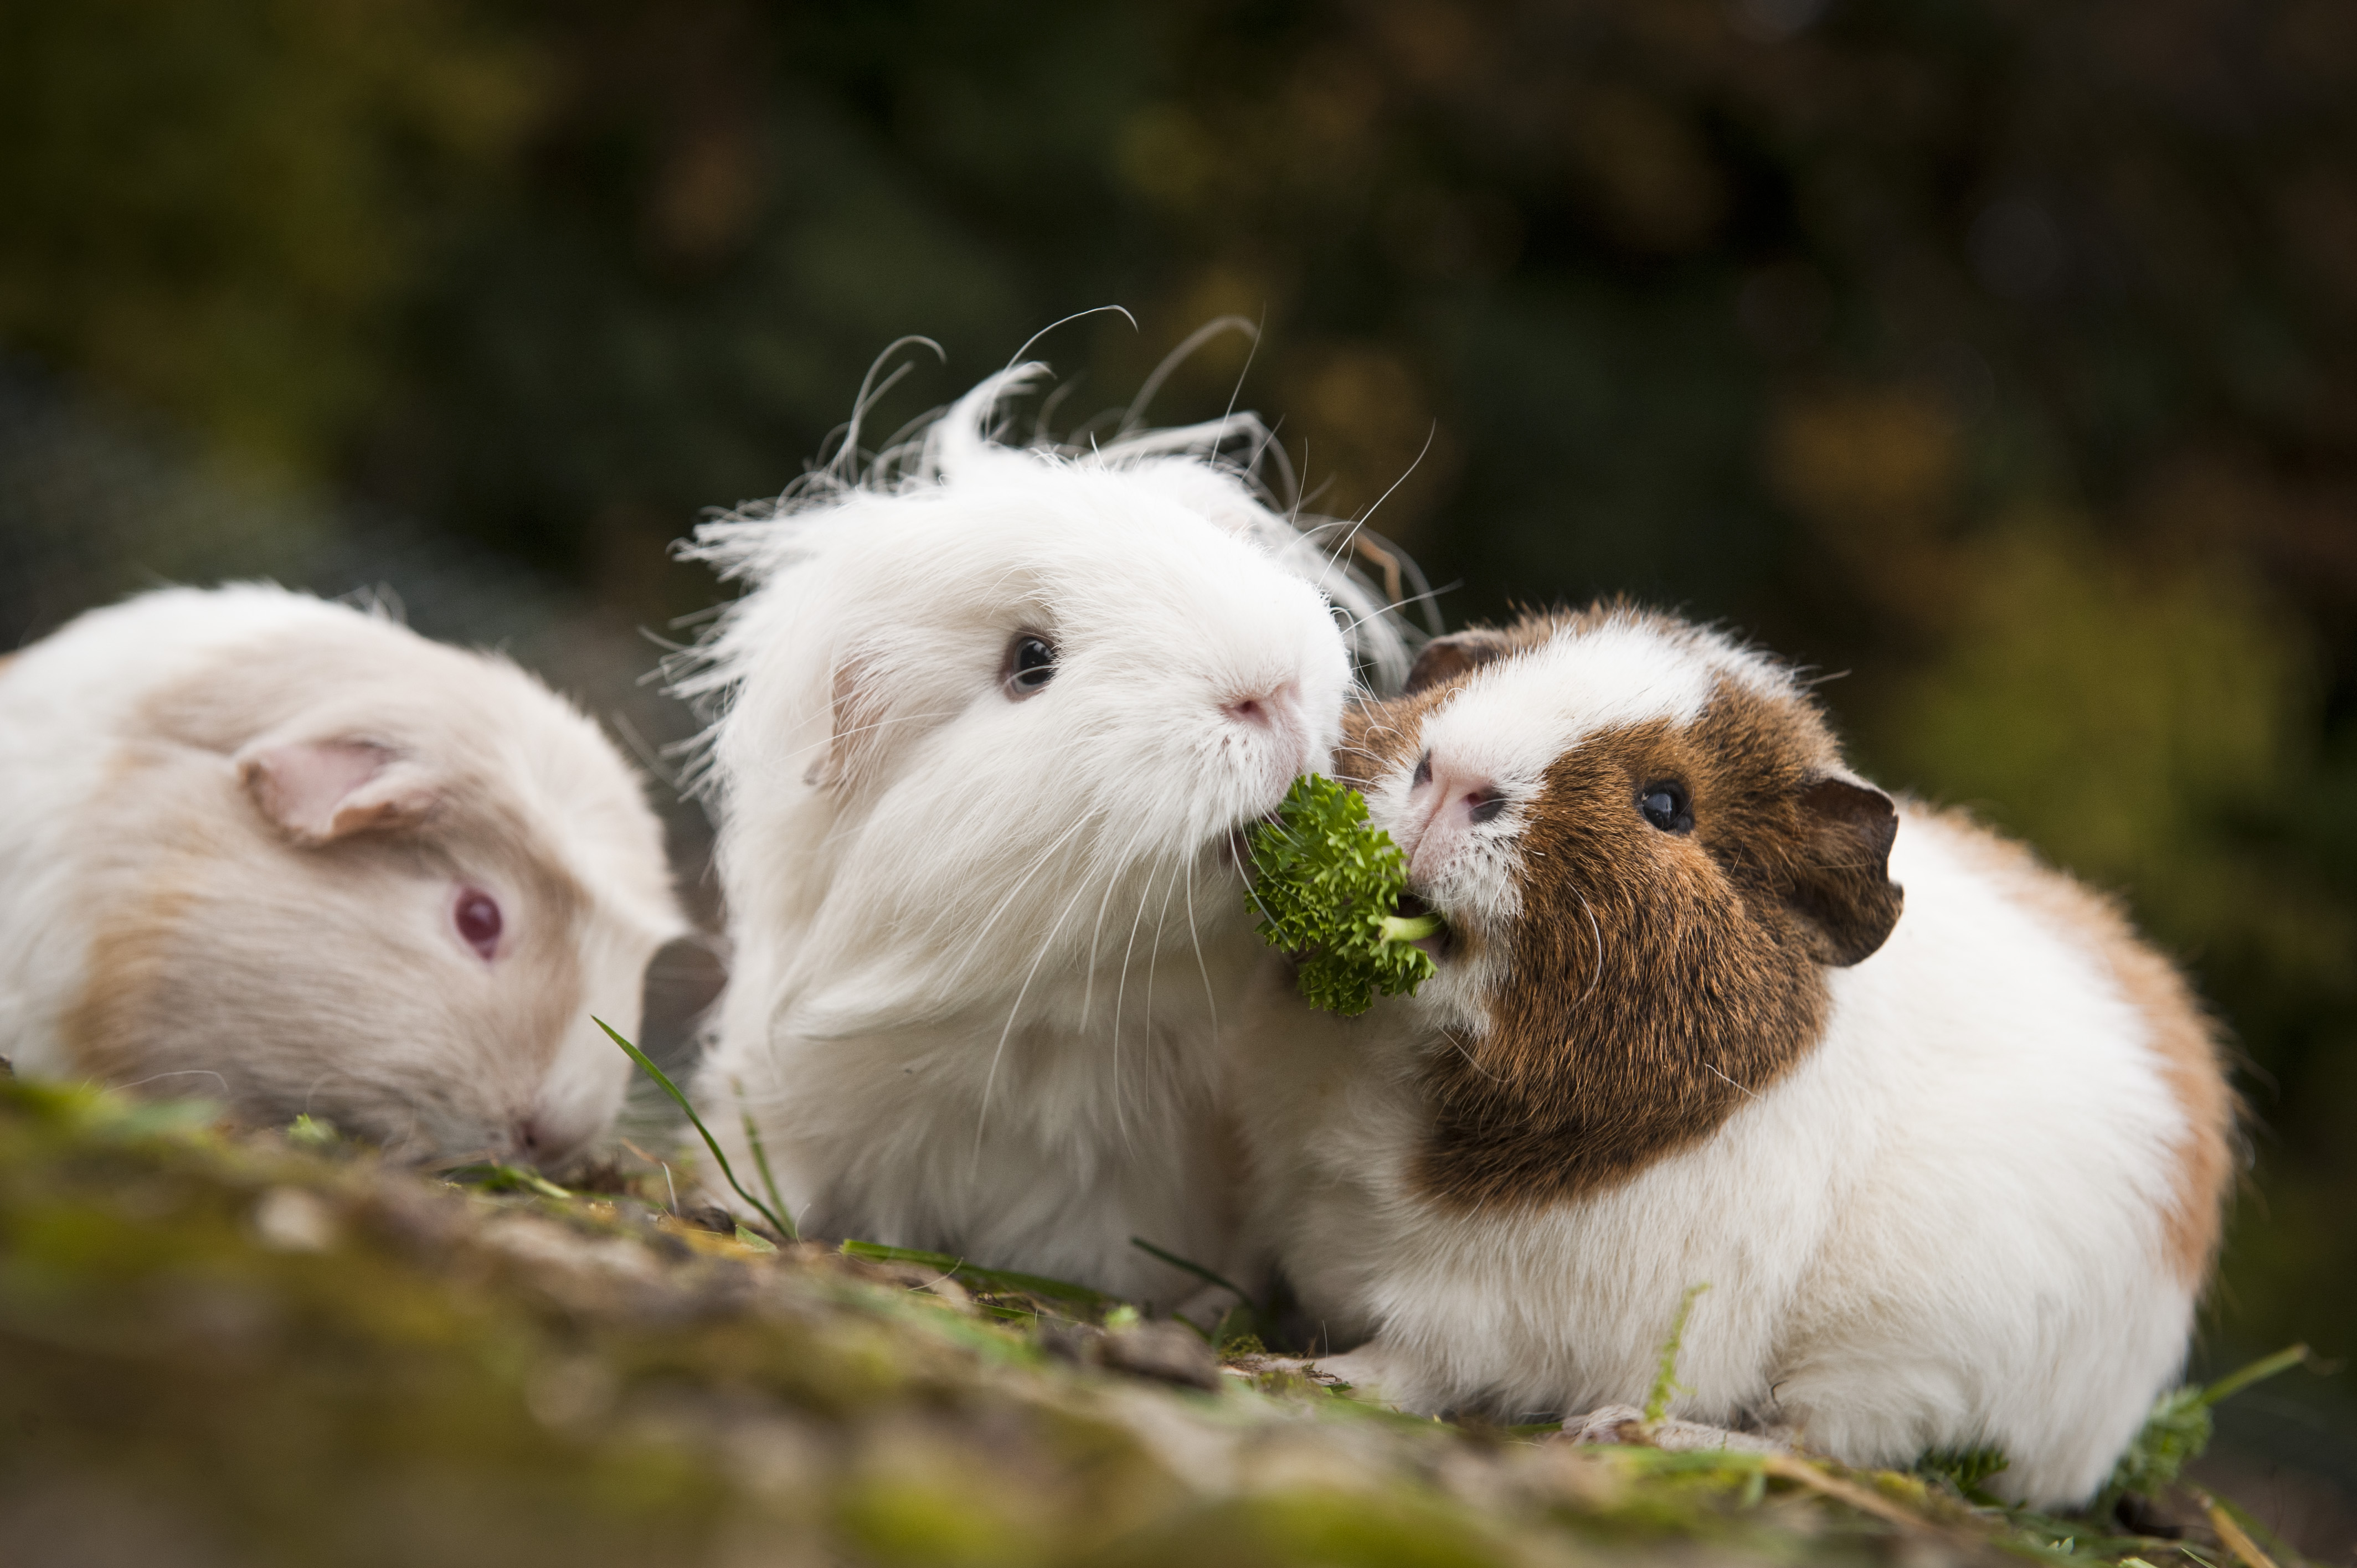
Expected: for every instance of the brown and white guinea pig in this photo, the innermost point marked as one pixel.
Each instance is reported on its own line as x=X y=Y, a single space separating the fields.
x=260 y=846
x=1954 y=1178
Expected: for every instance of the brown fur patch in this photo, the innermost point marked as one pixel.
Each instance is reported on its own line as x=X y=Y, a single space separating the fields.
x=2183 y=1035
x=1653 y=979
x=130 y=957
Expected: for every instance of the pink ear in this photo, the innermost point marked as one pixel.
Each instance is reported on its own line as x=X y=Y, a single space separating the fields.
x=859 y=722
x=319 y=790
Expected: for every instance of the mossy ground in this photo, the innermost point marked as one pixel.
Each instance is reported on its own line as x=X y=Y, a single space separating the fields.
x=222 y=1349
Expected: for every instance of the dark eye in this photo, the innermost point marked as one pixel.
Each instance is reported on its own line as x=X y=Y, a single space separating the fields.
x=1030 y=665
x=1666 y=807
x=1423 y=771
x=477 y=920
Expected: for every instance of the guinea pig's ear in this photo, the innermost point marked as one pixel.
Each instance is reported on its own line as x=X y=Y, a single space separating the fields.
x=683 y=978
x=1840 y=879
x=856 y=738
x=1446 y=657
x=318 y=792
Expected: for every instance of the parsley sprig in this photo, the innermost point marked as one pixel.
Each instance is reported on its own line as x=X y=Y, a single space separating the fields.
x=1328 y=887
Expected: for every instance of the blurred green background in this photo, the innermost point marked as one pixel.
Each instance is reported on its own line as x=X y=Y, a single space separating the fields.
x=2001 y=357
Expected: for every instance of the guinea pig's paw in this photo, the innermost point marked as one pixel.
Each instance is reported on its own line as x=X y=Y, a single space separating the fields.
x=1625 y=1423
x=1369 y=1372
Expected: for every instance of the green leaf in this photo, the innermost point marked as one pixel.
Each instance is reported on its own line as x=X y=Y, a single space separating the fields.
x=1966 y=1469
x=2179 y=1428
x=309 y=1131
x=1327 y=885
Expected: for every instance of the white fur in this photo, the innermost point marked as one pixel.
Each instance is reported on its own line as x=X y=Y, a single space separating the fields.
x=982 y=946
x=1945 y=1227
x=326 y=978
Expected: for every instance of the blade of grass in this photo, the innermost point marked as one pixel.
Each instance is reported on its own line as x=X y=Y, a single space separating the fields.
x=2224 y=1519
x=1665 y=1380
x=1002 y=1279
x=753 y=1138
x=782 y=1224
x=2257 y=1371
x=495 y=1176
x=1198 y=1270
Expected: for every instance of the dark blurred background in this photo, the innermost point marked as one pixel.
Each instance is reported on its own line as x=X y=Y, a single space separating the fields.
x=1999 y=357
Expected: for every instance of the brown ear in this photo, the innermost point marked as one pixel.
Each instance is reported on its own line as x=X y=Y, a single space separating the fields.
x=857 y=734
x=1841 y=883
x=318 y=792
x=1446 y=657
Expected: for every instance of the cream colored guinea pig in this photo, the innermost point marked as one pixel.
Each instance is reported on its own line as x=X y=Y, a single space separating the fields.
x=1951 y=1160
x=264 y=847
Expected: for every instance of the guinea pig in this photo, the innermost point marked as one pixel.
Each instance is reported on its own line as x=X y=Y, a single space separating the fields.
x=991 y=718
x=290 y=853
x=1951 y=1160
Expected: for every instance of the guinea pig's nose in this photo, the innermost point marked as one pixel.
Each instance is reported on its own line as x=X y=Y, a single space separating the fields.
x=1446 y=804
x=1274 y=709
x=536 y=1142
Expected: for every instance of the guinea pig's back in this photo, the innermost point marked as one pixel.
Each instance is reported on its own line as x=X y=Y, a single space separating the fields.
x=2053 y=1129
x=71 y=708
x=2032 y=1006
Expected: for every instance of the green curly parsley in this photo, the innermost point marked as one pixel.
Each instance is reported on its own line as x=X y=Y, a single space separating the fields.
x=1328 y=886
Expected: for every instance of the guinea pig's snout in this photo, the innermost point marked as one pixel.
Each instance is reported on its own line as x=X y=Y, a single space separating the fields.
x=1278 y=707
x=1444 y=804
x=543 y=1141
x=1273 y=709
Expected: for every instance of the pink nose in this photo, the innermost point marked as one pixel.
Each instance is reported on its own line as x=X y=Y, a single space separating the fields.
x=540 y=1141
x=1446 y=804
x=1276 y=708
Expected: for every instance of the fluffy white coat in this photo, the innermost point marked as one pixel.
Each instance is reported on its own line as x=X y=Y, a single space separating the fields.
x=983 y=941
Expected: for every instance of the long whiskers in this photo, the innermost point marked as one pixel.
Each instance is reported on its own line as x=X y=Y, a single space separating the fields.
x=981 y=1119
x=1597 y=932
x=1120 y=996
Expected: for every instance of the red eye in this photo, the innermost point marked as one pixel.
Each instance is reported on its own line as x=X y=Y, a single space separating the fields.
x=477 y=916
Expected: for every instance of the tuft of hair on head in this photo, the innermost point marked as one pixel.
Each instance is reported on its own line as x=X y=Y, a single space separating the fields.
x=751 y=542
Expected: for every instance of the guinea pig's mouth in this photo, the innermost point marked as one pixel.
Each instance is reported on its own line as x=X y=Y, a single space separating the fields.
x=1411 y=907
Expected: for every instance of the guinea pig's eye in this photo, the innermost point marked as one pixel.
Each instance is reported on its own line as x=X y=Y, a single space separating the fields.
x=1030 y=665
x=477 y=916
x=1423 y=772
x=1666 y=807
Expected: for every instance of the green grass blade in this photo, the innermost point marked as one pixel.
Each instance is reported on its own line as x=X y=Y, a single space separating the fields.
x=2257 y=1371
x=497 y=1176
x=999 y=1279
x=783 y=1224
x=1198 y=1270
x=1666 y=1379
x=753 y=1139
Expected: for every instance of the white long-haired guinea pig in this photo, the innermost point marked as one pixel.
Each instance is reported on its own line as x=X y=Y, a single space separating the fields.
x=1953 y=1179
x=259 y=845
x=991 y=716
